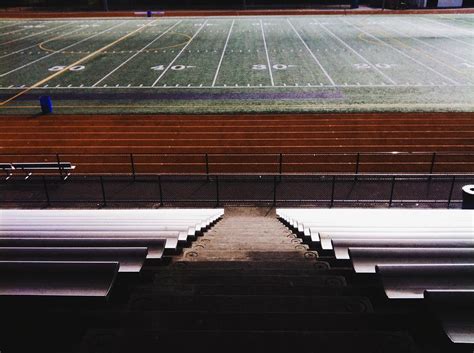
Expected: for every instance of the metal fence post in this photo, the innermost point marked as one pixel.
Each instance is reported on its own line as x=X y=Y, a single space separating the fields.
x=104 y=199
x=274 y=190
x=161 y=190
x=357 y=164
x=433 y=158
x=280 y=169
x=217 y=190
x=132 y=164
x=451 y=190
x=333 y=187
x=391 y=192
x=207 y=166
x=46 y=191
x=59 y=166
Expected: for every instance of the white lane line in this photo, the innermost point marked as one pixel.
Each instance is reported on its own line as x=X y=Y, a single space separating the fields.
x=359 y=55
x=223 y=53
x=33 y=35
x=180 y=52
x=427 y=44
x=62 y=49
x=437 y=34
x=137 y=53
x=311 y=53
x=402 y=53
x=447 y=25
x=247 y=86
x=35 y=45
x=266 y=52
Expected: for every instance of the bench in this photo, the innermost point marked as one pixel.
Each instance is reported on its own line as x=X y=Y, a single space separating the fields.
x=62 y=167
x=8 y=169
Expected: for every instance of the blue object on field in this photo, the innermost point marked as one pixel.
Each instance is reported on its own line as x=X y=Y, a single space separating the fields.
x=46 y=104
x=148 y=14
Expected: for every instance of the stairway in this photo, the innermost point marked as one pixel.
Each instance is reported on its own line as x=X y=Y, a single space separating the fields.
x=249 y=284
x=246 y=285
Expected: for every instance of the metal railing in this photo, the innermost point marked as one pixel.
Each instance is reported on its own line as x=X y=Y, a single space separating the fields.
x=139 y=164
x=217 y=190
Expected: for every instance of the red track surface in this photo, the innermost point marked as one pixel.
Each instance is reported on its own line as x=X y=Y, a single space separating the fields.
x=234 y=134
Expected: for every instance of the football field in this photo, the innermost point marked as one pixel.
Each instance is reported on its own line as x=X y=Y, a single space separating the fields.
x=238 y=65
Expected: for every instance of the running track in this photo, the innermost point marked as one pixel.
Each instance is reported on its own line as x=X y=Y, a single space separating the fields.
x=118 y=136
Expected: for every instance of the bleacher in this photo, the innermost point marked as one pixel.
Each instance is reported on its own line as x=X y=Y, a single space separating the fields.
x=425 y=258
x=80 y=252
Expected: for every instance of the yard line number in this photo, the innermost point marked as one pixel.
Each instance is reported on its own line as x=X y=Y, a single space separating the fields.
x=175 y=67
x=276 y=67
x=363 y=66
x=62 y=67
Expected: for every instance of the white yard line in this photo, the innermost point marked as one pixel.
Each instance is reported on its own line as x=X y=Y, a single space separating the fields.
x=137 y=53
x=15 y=31
x=223 y=53
x=311 y=53
x=437 y=33
x=33 y=35
x=59 y=50
x=180 y=52
x=11 y=24
x=185 y=87
x=268 y=57
x=427 y=44
x=359 y=55
x=402 y=53
x=447 y=25
x=43 y=42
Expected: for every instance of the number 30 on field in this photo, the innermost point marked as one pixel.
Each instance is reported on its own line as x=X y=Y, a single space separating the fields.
x=62 y=67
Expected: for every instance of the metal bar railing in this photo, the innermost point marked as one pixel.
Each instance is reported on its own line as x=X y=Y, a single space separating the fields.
x=281 y=162
x=239 y=182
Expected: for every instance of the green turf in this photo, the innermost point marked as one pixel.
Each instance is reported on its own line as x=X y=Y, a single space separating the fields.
x=245 y=64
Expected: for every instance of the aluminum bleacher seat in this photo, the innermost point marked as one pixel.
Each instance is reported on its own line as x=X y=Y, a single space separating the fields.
x=45 y=278
x=455 y=311
x=409 y=253
x=364 y=260
x=130 y=259
x=411 y=281
x=341 y=246
x=155 y=247
x=123 y=237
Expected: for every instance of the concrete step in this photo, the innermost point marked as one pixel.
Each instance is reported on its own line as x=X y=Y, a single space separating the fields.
x=249 y=303
x=317 y=280
x=337 y=341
